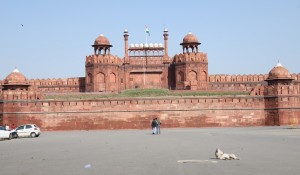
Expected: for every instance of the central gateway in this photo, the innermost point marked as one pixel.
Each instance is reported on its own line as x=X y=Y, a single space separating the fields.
x=146 y=65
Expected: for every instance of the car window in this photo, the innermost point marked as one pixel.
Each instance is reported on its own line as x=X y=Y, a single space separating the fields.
x=2 y=128
x=28 y=126
x=20 y=127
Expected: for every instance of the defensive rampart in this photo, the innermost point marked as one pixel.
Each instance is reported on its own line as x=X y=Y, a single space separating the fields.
x=137 y=113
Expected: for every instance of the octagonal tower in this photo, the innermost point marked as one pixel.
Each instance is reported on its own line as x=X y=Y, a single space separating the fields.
x=191 y=66
x=102 y=68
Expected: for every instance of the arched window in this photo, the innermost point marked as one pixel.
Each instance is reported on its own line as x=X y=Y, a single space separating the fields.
x=112 y=78
x=180 y=76
x=101 y=77
x=203 y=76
x=192 y=76
x=90 y=78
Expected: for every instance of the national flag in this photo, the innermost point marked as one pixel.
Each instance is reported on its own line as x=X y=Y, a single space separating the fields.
x=147 y=31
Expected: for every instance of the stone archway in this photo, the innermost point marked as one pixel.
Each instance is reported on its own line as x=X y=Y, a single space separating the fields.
x=112 y=78
x=192 y=76
x=100 y=82
x=180 y=76
x=90 y=78
x=203 y=76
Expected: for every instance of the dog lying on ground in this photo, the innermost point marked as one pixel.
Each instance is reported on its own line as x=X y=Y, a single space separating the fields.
x=224 y=156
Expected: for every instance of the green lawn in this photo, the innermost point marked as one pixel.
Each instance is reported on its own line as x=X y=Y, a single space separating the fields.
x=140 y=93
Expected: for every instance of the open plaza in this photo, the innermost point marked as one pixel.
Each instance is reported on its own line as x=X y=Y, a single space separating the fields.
x=262 y=150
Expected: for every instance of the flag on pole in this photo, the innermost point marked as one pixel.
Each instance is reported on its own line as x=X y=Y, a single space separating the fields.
x=147 y=31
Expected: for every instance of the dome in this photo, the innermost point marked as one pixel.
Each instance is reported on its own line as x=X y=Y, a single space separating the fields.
x=15 y=78
x=279 y=72
x=190 y=38
x=101 y=40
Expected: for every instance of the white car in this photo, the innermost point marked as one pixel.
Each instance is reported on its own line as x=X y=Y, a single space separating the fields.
x=28 y=130
x=4 y=134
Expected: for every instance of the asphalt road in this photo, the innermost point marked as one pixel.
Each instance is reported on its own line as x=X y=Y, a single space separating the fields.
x=262 y=150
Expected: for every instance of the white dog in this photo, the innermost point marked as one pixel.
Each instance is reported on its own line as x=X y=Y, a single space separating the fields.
x=224 y=156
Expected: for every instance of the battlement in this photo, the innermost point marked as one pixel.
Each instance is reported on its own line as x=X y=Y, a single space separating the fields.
x=220 y=78
x=150 y=103
x=243 y=78
x=102 y=59
x=282 y=90
x=57 y=81
x=21 y=95
x=76 y=84
x=190 y=57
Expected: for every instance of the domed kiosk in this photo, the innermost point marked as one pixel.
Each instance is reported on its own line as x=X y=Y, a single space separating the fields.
x=101 y=40
x=15 y=81
x=102 y=45
x=279 y=75
x=190 y=41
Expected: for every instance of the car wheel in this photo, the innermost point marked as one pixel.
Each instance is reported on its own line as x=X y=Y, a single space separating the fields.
x=33 y=134
x=15 y=135
x=10 y=136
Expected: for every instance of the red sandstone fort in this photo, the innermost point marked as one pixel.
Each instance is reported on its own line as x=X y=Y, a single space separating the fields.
x=273 y=98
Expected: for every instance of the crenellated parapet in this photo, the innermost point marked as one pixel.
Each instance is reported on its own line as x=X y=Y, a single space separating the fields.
x=56 y=81
x=237 y=78
x=282 y=90
x=190 y=57
x=21 y=95
x=103 y=59
x=49 y=85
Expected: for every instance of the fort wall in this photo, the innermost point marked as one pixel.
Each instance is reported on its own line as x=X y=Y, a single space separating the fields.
x=59 y=85
x=137 y=113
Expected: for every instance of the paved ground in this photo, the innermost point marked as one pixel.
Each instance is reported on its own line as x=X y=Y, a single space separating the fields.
x=263 y=150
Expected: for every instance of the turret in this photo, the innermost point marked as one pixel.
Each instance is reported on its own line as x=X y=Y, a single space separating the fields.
x=101 y=45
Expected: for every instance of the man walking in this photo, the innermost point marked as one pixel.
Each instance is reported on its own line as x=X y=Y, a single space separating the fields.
x=154 y=126
x=158 y=126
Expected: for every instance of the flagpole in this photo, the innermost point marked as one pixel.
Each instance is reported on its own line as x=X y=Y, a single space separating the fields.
x=146 y=38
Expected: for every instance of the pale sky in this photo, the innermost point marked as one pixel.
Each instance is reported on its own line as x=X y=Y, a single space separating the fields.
x=239 y=36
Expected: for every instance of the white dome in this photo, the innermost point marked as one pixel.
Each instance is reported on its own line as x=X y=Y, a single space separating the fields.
x=155 y=45
x=160 y=45
x=136 y=45
x=146 y=45
x=151 y=45
x=131 y=45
